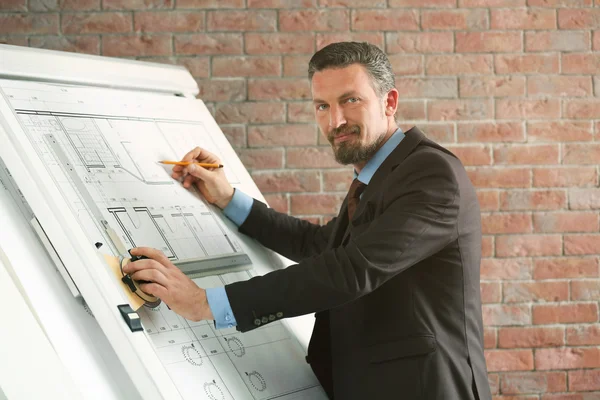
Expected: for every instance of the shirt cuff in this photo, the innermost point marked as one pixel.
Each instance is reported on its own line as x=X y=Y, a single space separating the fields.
x=239 y=207
x=220 y=308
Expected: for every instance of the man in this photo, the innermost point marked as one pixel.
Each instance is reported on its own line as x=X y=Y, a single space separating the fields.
x=394 y=279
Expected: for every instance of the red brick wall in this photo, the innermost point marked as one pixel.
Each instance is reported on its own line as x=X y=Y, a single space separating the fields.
x=510 y=85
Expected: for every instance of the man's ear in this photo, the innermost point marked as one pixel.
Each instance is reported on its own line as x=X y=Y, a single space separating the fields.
x=391 y=102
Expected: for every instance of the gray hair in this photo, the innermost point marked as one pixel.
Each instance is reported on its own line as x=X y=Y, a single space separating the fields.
x=344 y=54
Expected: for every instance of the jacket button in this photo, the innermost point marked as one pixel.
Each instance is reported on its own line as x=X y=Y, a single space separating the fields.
x=257 y=322
x=271 y=317
x=279 y=314
x=265 y=320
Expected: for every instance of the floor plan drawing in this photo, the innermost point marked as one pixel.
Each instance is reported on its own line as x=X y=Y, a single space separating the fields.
x=100 y=149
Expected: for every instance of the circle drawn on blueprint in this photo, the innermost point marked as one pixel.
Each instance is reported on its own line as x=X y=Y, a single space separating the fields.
x=257 y=381
x=213 y=391
x=236 y=346
x=189 y=351
x=73 y=124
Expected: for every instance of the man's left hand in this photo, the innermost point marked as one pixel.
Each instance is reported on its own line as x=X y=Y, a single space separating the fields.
x=169 y=284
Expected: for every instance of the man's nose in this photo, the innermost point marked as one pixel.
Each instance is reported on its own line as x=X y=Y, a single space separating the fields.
x=336 y=117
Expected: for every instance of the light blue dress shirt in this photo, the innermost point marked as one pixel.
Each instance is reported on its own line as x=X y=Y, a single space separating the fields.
x=239 y=208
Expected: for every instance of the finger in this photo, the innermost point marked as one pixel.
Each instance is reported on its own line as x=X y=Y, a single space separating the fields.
x=154 y=289
x=152 y=253
x=151 y=275
x=203 y=155
x=199 y=172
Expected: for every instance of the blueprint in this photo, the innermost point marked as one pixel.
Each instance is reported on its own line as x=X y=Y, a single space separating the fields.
x=100 y=147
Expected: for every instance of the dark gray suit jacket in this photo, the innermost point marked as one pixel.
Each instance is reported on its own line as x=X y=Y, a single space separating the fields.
x=396 y=291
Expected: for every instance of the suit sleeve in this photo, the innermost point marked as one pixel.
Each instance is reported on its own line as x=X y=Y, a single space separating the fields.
x=419 y=219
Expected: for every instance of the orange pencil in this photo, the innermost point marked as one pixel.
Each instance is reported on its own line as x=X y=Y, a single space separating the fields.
x=184 y=163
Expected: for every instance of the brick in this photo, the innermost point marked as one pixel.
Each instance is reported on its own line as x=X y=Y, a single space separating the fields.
x=105 y=22
x=403 y=64
x=311 y=157
x=409 y=110
x=596 y=41
x=491 y=292
x=584 y=199
x=235 y=66
x=423 y=4
x=235 y=134
x=337 y=181
x=491 y=177
x=490 y=132
x=278 y=89
x=29 y=23
x=506 y=223
x=490 y=338
x=208 y=43
x=509 y=360
x=534 y=382
x=261 y=158
x=560 y=131
x=169 y=21
x=472 y=155
x=75 y=44
x=305 y=204
x=582 y=244
x=526 y=154
x=287 y=181
x=494 y=381
x=281 y=3
x=222 y=89
x=567 y=358
x=487 y=246
x=422 y=42
x=572 y=396
x=353 y=3
x=247 y=20
x=438 y=132
x=427 y=87
x=253 y=113
x=580 y=63
x=61 y=5
x=488 y=42
x=513 y=338
x=585 y=380
x=565 y=314
x=533 y=200
x=458 y=64
x=314 y=20
x=199 y=67
x=14 y=40
x=572 y=86
x=279 y=43
x=523 y=19
x=578 y=19
x=502 y=315
x=282 y=135
x=580 y=153
x=210 y=3
x=136 y=45
x=454 y=19
x=524 y=292
x=376 y=38
x=464 y=109
x=13 y=5
x=495 y=86
x=528 y=245
x=548 y=108
x=385 y=20
x=565 y=267
x=559 y=3
x=488 y=200
x=301 y=112
x=582 y=108
x=565 y=222
x=506 y=269
x=586 y=290
x=136 y=4
x=565 y=177
x=583 y=335
x=295 y=65
x=557 y=41
x=278 y=202
x=491 y=3
x=526 y=63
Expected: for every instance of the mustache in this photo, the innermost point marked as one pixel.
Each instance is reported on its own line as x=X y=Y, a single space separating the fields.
x=343 y=130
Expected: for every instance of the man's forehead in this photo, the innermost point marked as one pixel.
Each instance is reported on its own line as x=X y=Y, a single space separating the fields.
x=332 y=81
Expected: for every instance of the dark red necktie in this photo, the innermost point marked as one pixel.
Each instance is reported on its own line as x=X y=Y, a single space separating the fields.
x=356 y=189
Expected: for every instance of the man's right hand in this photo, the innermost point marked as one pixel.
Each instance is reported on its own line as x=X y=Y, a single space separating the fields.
x=211 y=182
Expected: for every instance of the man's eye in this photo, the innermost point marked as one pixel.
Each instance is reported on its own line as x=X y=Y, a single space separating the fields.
x=322 y=107
x=352 y=100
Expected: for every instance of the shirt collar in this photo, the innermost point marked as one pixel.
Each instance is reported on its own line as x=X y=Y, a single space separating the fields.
x=375 y=162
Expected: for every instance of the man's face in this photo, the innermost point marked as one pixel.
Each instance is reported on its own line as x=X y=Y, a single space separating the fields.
x=349 y=113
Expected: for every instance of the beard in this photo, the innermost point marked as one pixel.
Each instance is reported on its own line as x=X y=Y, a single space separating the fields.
x=352 y=151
